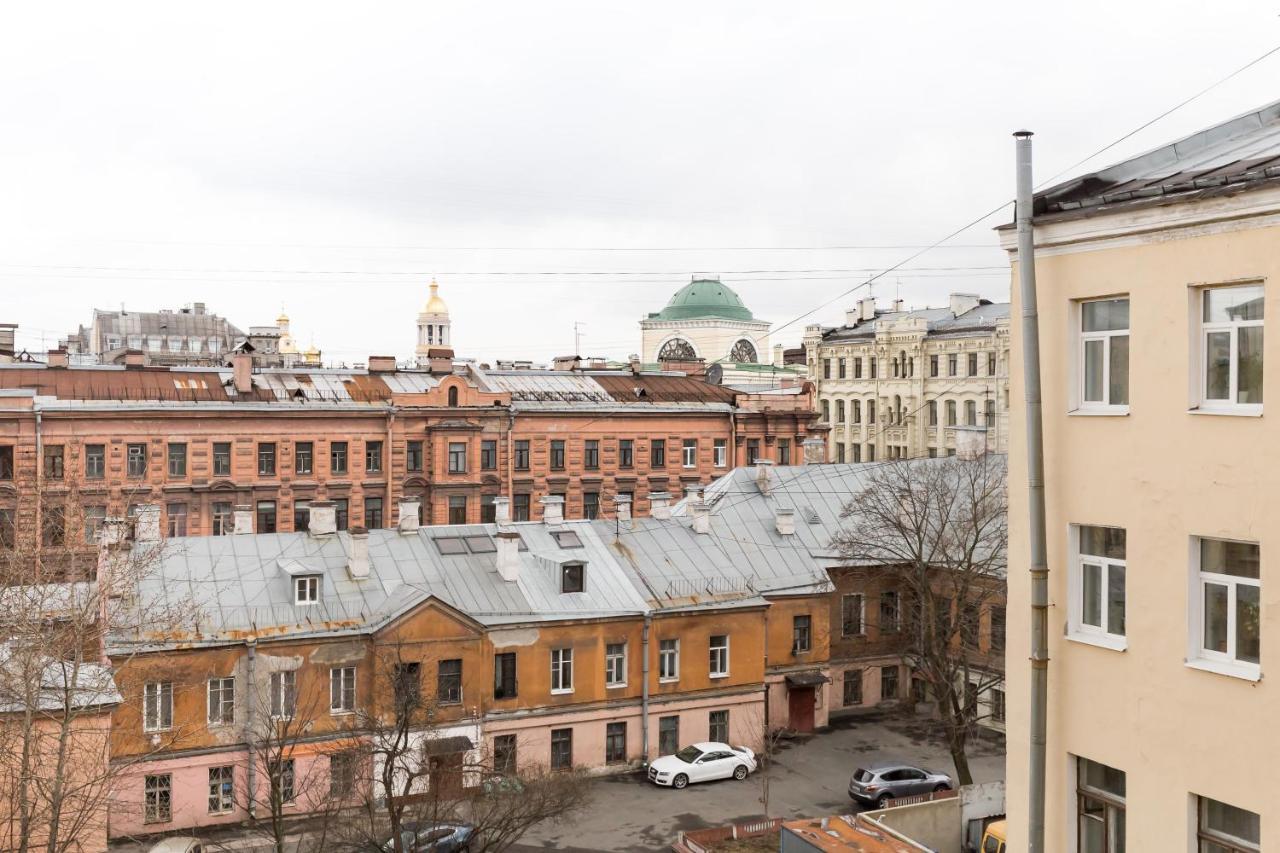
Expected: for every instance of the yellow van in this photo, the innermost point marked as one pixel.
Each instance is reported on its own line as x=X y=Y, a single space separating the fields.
x=994 y=838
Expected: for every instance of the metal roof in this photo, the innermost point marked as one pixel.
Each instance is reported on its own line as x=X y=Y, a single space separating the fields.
x=940 y=322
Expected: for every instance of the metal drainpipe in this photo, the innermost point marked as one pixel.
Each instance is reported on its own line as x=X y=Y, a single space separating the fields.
x=644 y=686
x=1035 y=495
x=391 y=420
x=39 y=501
x=733 y=435
x=252 y=770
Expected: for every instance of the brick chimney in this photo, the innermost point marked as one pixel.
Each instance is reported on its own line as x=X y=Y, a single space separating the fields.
x=135 y=358
x=358 y=556
x=382 y=364
x=57 y=358
x=242 y=372
x=322 y=519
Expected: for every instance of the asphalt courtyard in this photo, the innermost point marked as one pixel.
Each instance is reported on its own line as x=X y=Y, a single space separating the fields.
x=810 y=777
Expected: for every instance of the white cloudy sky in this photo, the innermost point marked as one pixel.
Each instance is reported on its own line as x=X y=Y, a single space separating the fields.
x=333 y=157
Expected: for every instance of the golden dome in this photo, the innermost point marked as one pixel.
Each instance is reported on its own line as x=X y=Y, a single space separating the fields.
x=312 y=352
x=435 y=305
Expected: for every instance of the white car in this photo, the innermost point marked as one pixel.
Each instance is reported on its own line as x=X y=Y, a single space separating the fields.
x=701 y=763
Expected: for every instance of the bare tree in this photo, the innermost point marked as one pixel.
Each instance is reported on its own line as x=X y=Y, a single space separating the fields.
x=62 y=596
x=938 y=528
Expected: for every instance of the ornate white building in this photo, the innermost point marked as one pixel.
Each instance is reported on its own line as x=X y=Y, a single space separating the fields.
x=433 y=328
x=705 y=320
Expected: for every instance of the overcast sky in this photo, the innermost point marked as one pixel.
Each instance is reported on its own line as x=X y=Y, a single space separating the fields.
x=333 y=158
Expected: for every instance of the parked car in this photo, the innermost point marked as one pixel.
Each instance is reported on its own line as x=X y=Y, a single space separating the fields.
x=177 y=844
x=876 y=783
x=702 y=762
x=432 y=838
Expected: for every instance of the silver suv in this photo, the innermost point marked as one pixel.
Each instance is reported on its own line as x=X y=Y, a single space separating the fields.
x=887 y=780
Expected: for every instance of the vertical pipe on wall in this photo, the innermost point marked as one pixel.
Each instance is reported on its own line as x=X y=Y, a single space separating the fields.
x=251 y=769
x=644 y=686
x=1039 y=562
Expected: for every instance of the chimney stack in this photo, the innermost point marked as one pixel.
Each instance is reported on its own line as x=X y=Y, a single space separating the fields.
x=57 y=358
x=114 y=531
x=660 y=505
x=508 y=542
x=146 y=524
x=694 y=493
x=322 y=519
x=779 y=357
x=135 y=358
x=897 y=305
x=763 y=481
x=784 y=519
x=962 y=303
x=622 y=506
x=552 y=510
x=242 y=372
x=502 y=510
x=409 y=515
x=815 y=450
x=242 y=519
x=701 y=518
x=382 y=364
x=971 y=442
x=8 y=333
x=358 y=556
x=198 y=308
x=867 y=308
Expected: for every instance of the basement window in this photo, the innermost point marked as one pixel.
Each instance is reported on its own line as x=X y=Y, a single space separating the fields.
x=567 y=539
x=450 y=545
x=306 y=589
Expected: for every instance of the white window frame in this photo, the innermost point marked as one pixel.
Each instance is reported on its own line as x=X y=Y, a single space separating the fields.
x=862 y=614
x=306 y=590
x=224 y=684
x=561 y=663
x=284 y=694
x=1080 y=338
x=1077 y=629
x=157 y=706
x=343 y=678
x=689 y=453
x=720 y=453
x=615 y=664
x=668 y=661
x=1198 y=656
x=720 y=652
x=222 y=800
x=1202 y=330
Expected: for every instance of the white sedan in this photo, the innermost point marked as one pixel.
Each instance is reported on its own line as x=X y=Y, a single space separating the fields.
x=701 y=763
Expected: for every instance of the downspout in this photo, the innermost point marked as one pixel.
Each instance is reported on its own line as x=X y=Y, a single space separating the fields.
x=733 y=435
x=644 y=686
x=391 y=502
x=252 y=774
x=766 y=672
x=511 y=425
x=39 y=501
x=1035 y=495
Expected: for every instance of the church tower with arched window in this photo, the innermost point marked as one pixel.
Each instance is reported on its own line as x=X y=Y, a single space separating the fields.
x=433 y=329
x=705 y=320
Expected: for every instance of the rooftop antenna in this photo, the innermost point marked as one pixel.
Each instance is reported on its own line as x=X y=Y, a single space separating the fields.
x=577 y=337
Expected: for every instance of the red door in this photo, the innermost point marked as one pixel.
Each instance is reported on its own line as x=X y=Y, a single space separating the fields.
x=800 y=707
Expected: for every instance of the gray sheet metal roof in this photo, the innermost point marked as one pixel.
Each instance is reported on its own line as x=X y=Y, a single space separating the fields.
x=941 y=322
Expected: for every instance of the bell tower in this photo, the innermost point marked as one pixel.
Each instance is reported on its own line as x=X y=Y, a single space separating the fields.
x=433 y=329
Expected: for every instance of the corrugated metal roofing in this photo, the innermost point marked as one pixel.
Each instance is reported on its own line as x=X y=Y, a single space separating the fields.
x=940 y=322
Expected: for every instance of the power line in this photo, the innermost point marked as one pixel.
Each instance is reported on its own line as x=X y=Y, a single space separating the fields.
x=423 y=273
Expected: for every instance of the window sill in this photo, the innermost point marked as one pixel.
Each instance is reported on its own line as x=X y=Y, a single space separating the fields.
x=562 y=692
x=668 y=680
x=1109 y=412
x=1102 y=641
x=351 y=713
x=1230 y=413
x=1244 y=671
x=716 y=675
x=615 y=686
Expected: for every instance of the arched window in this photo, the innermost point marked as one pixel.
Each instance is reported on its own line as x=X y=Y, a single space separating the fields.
x=453 y=395
x=895 y=368
x=677 y=349
x=743 y=352
x=839 y=411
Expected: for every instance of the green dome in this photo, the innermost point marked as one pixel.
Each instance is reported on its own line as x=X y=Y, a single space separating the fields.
x=704 y=297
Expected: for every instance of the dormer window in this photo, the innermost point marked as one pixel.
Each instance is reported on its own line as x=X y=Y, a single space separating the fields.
x=306 y=589
x=572 y=577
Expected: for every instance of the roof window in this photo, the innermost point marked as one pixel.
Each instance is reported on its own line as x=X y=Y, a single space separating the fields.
x=450 y=545
x=566 y=539
x=480 y=544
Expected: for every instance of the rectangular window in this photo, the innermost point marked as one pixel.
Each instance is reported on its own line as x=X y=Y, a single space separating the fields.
x=857 y=452
x=91 y=520
x=784 y=451
x=953 y=362
x=562 y=670
x=989 y=413
x=857 y=368
x=520 y=507
x=668 y=735
x=222 y=789
x=372 y=513
x=136 y=460
x=826 y=368
x=176 y=516
x=1229 y=590
x=342 y=774
x=590 y=504
x=970 y=412
x=871 y=367
x=933 y=413
x=557 y=454
x=718 y=665
x=801 y=633
x=449 y=682
x=95 y=461
x=591 y=454
x=284 y=693
x=1222 y=828
x=1104 y=353
x=338 y=457
x=615 y=743
x=222 y=701
x=488 y=510
x=753 y=450
x=177 y=459
x=457 y=457
x=852 y=609
x=1231 y=348
x=951 y=413
x=997 y=628
x=571 y=577
x=373 y=457
x=718 y=721
x=6 y=527
x=888 y=683
x=302 y=515
x=284 y=777
x=561 y=749
x=223 y=522
x=658 y=453
x=504 y=676
x=522 y=455
x=890 y=611
x=871 y=411
x=53 y=458
x=840 y=452
x=407 y=678
x=668 y=660
x=855 y=411
x=222 y=459
x=615 y=665
x=457 y=509
x=973 y=364
x=933 y=365
x=157 y=706
x=158 y=798
x=871 y=453
x=720 y=452
x=996 y=701
x=413 y=456
x=342 y=513
x=852 y=687
x=488 y=455
x=266 y=517
x=690 y=452
x=1099 y=582
x=504 y=754
x=342 y=689
x=1100 y=818
x=266 y=459
x=304 y=453
x=991 y=364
